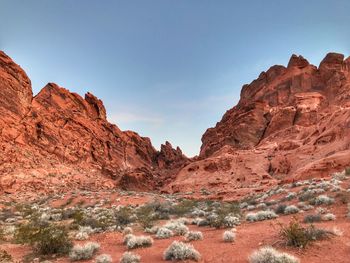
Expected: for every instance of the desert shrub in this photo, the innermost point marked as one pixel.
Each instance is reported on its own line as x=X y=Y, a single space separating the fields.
x=305 y=207
x=152 y=230
x=280 y=209
x=2 y=233
x=6 y=214
x=184 y=207
x=225 y=215
x=46 y=239
x=82 y=236
x=127 y=230
x=193 y=235
x=87 y=251
x=197 y=212
x=139 y=241
x=181 y=251
x=270 y=255
x=229 y=236
x=261 y=215
x=164 y=232
x=161 y=208
x=271 y=202
x=123 y=216
x=103 y=258
x=251 y=207
x=5 y=256
x=307 y=195
x=129 y=257
x=312 y=218
x=203 y=222
x=231 y=221
x=347 y=171
x=127 y=237
x=291 y=209
x=262 y=206
x=250 y=200
x=177 y=227
x=328 y=217
x=344 y=197
x=290 y=196
x=298 y=236
x=146 y=216
x=322 y=200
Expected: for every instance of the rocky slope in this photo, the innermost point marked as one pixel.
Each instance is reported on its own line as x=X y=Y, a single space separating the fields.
x=58 y=131
x=291 y=123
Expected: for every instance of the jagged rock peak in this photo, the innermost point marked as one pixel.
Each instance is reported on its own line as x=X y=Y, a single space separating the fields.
x=15 y=87
x=297 y=61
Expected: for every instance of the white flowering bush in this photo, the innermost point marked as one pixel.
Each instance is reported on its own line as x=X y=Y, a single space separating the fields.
x=84 y=252
x=129 y=257
x=127 y=230
x=270 y=255
x=261 y=215
x=82 y=236
x=181 y=251
x=103 y=258
x=229 y=236
x=139 y=241
x=322 y=200
x=291 y=209
x=152 y=230
x=163 y=233
x=290 y=196
x=328 y=217
x=177 y=227
x=231 y=221
x=193 y=235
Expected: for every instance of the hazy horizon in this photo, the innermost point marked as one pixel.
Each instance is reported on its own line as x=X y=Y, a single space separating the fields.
x=167 y=70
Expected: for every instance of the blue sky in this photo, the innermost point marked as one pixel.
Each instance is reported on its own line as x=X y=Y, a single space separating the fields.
x=166 y=69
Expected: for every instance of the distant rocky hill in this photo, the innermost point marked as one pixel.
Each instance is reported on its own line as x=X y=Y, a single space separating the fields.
x=291 y=123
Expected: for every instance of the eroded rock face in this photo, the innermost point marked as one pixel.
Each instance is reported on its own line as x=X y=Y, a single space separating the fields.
x=58 y=127
x=294 y=122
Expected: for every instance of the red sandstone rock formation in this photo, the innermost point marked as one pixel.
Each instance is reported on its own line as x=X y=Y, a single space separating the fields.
x=291 y=123
x=58 y=127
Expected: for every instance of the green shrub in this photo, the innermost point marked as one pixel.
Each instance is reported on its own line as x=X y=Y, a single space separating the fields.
x=184 y=207
x=146 y=216
x=312 y=218
x=46 y=239
x=307 y=195
x=294 y=234
x=123 y=217
x=227 y=215
x=280 y=209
